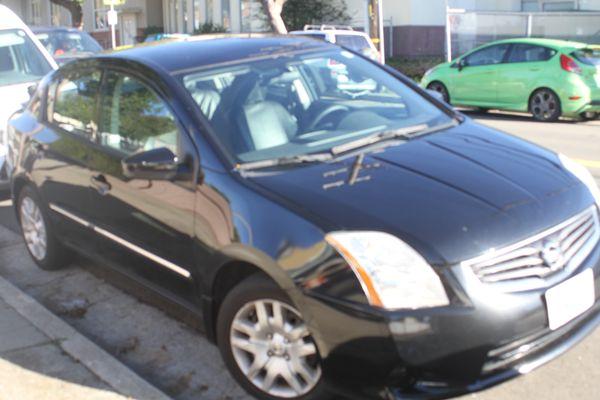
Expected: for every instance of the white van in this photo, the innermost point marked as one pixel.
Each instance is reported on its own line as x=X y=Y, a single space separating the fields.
x=23 y=62
x=344 y=36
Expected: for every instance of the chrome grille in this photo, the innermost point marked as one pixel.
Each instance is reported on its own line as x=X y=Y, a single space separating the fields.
x=536 y=260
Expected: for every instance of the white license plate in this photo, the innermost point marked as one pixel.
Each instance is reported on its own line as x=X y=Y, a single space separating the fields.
x=570 y=299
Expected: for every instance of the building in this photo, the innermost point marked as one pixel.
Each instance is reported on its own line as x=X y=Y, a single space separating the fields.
x=134 y=17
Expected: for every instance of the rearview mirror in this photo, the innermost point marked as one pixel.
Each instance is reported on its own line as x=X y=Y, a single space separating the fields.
x=31 y=90
x=462 y=63
x=156 y=164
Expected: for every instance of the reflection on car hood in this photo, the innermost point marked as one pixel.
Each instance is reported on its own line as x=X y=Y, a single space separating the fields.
x=452 y=195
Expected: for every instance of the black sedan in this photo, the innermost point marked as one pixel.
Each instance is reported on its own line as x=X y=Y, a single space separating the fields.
x=335 y=229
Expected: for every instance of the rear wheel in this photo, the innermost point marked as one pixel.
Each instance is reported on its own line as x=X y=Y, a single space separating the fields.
x=544 y=104
x=266 y=344
x=441 y=89
x=40 y=240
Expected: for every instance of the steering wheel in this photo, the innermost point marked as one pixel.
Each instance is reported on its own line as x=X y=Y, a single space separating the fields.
x=333 y=108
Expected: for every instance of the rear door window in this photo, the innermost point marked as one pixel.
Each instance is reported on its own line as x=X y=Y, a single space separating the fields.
x=134 y=117
x=530 y=53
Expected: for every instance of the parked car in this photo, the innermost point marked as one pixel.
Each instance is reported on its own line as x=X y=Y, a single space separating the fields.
x=67 y=44
x=373 y=244
x=344 y=36
x=549 y=78
x=156 y=37
x=23 y=61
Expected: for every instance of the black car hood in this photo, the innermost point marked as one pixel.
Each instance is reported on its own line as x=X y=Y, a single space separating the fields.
x=452 y=195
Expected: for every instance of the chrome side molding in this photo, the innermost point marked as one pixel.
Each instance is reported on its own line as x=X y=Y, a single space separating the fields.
x=117 y=239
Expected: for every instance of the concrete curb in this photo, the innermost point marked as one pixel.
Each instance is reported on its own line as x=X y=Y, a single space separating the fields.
x=99 y=362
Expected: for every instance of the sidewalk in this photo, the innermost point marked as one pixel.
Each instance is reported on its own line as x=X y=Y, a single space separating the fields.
x=44 y=358
x=33 y=366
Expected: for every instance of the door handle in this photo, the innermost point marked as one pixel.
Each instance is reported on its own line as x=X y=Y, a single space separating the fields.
x=100 y=183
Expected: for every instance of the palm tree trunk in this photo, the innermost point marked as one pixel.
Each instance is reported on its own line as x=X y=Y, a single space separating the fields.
x=273 y=8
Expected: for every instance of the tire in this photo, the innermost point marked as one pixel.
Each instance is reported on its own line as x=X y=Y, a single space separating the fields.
x=270 y=344
x=40 y=239
x=545 y=106
x=440 y=88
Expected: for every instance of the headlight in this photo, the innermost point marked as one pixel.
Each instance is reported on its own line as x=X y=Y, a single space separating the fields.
x=430 y=71
x=392 y=274
x=582 y=174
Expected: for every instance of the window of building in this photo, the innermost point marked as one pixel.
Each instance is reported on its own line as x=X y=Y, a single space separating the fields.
x=197 y=14
x=530 y=5
x=210 y=10
x=36 y=16
x=226 y=14
x=100 y=15
x=253 y=16
x=558 y=6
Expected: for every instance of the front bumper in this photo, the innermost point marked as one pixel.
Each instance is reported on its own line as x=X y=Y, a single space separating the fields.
x=481 y=340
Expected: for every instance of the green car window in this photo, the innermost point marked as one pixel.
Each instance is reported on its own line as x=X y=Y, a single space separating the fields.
x=530 y=53
x=488 y=56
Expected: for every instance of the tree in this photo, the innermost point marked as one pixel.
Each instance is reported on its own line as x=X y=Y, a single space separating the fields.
x=297 y=13
x=74 y=7
x=273 y=9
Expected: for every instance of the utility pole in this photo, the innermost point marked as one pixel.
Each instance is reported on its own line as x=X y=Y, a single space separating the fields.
x=376 y=26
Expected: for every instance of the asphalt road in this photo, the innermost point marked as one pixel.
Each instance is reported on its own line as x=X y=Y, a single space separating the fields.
x=181 y=362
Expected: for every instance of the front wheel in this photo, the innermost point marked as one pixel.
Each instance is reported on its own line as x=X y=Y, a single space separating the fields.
x=545 y=106
x=441 y=89
x=266 y=344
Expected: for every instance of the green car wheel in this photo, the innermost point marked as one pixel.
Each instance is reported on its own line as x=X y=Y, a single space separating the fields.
x=545 y=105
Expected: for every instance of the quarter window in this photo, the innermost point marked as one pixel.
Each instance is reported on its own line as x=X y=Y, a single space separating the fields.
x=74 y=105
x=530 y=53
x=134 y=118
x=489 y=56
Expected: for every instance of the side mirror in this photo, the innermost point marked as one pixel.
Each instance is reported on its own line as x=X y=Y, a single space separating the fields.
x=462 y=63
x=156 y=164
x=438 y=96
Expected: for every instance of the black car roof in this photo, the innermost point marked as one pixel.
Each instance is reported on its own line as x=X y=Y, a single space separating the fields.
x=196 y=52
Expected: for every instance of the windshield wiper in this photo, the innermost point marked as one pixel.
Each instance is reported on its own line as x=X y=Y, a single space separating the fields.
x=288 y=160
x=401 y=133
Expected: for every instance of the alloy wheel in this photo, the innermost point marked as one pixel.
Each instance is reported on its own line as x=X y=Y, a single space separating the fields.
x=34 y=228
x=544 y=105
x=441 y=89
x=274 y=350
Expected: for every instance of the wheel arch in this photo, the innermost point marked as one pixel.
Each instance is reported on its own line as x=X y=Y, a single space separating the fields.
x=228 y=276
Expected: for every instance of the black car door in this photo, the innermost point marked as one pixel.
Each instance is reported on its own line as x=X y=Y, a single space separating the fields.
x=144 y=226
x=62 y=141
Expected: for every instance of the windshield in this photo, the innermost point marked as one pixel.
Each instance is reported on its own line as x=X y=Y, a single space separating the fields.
x=20 y=60
x=353 y=42
x=59 y=43
x=305 y=103
x=588 y=56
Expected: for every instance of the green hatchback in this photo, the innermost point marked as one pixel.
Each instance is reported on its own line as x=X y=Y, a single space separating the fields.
x=549 y=78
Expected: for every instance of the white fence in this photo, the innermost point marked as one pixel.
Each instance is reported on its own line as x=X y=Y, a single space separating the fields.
x=471 y=29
